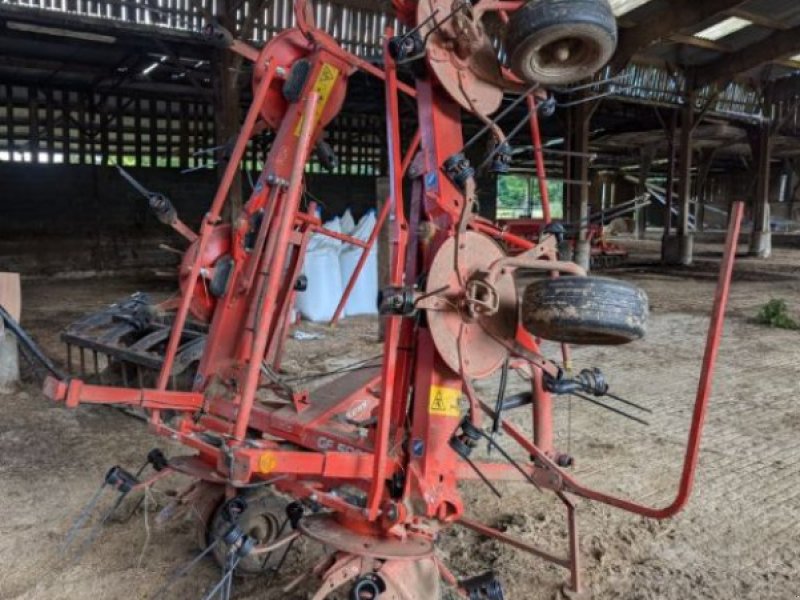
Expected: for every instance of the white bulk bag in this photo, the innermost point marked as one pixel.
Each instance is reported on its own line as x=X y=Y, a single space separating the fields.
x=321 y=267
x=347 y=223
x=364 y=297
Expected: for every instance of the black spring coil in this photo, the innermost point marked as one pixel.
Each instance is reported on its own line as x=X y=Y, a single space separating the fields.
x=484 y=587
x=368 y=587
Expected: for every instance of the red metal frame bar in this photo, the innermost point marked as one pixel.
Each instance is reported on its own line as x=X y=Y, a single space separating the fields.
x=703 y=390
x=536 y=138
x=487 y=531
x=77 y=392
x=317 y=227
x=308 y=30
x=291 y=200
x=362 y=260
x=570 y=484
x=391 y=343
x=248 y=325
x=209 y=222
x=183 y=230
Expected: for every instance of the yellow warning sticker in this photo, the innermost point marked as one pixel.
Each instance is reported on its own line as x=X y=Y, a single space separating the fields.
x=444 y=402
x=267 y=463
x=323 y=86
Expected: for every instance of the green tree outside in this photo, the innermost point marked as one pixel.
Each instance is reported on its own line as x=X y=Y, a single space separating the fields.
x=518 y=197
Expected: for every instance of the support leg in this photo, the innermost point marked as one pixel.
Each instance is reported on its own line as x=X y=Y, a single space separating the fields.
x=575 y=586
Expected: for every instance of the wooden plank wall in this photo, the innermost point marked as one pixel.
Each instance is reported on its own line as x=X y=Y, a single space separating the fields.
x=47 y=125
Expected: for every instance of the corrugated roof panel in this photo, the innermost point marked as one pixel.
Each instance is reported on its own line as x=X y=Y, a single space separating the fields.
x=723 y=28
x=786 y=12
x=682 y=54
x=623 y=7
x=746 y=37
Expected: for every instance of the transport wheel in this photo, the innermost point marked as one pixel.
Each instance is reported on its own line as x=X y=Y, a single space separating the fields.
x=585 y=310
x=262 y=520
x=206 y=500
x=558 y=42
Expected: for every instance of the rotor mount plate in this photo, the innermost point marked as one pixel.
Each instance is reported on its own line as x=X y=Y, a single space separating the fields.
x=330 y=532
x=284 y=50
x=480 y=353
x=203 y=302
x=472 y=81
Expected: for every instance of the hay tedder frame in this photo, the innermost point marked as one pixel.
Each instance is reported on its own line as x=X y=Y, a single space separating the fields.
x=373 y=460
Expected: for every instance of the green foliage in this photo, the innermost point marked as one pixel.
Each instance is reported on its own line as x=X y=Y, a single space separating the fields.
x=512 y=191
x=518 y=196
x=775 y=313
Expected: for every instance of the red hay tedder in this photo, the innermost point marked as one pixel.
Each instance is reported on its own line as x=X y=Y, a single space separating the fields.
x=372 y=462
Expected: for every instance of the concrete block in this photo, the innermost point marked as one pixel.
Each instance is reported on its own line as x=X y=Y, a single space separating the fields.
x=9 y=360
x=761 y=244
x=583 y=254
x=677 y=249
x=11 y=300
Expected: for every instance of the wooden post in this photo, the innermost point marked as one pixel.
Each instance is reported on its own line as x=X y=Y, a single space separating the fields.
x=687 y=128
x=679 y=249
x=706 y=161
x=138 y=129
x=33 y=128
x=579 y=214
x=648 y=154
x=761 y=237
x=670 y=194
x=183 y=137
x=67 y=125
x=152 y=121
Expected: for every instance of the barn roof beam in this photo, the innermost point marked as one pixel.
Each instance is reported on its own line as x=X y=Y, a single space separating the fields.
x=779 y=45
x=679 y=15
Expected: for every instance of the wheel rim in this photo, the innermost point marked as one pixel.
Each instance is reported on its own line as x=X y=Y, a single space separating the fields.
x=262 y=522
x=563 y=54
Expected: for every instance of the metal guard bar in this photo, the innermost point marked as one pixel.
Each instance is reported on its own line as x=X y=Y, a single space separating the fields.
x=570 y=484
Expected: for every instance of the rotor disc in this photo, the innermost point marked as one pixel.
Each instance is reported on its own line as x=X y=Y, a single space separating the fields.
x=478 y=354
x=472 y=81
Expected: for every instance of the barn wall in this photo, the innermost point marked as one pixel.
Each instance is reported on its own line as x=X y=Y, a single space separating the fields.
x=58 y=219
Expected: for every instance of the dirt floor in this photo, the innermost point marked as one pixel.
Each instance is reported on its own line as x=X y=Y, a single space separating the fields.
x=738 y=538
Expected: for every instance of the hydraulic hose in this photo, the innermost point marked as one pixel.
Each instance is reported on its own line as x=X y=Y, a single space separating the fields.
x=32 y=351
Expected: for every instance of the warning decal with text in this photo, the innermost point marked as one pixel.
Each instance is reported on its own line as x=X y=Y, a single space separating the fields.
x=443 y=401
x=323 y=86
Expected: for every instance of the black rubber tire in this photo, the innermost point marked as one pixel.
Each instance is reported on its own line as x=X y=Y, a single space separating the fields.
x=296 y=81
x=585 y=310
x=586 y=30
x=262 y=519
x=205 y=504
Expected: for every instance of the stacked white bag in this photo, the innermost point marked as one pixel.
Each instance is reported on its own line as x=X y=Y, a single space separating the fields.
x=347 y=223
x=364 y=297
x=329 y=264
x=321 y=267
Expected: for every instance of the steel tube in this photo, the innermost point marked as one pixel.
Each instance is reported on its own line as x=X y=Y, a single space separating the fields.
x=700 y=408
x=209 y=223
x=513 y=541
x=541 y=175
x=289 y=209
x=362 y=260
x=392 y=339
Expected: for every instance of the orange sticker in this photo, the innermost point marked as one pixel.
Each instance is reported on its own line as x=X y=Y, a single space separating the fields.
x=267 y=463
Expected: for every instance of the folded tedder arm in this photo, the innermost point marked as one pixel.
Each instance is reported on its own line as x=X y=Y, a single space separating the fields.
x=378 y=453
